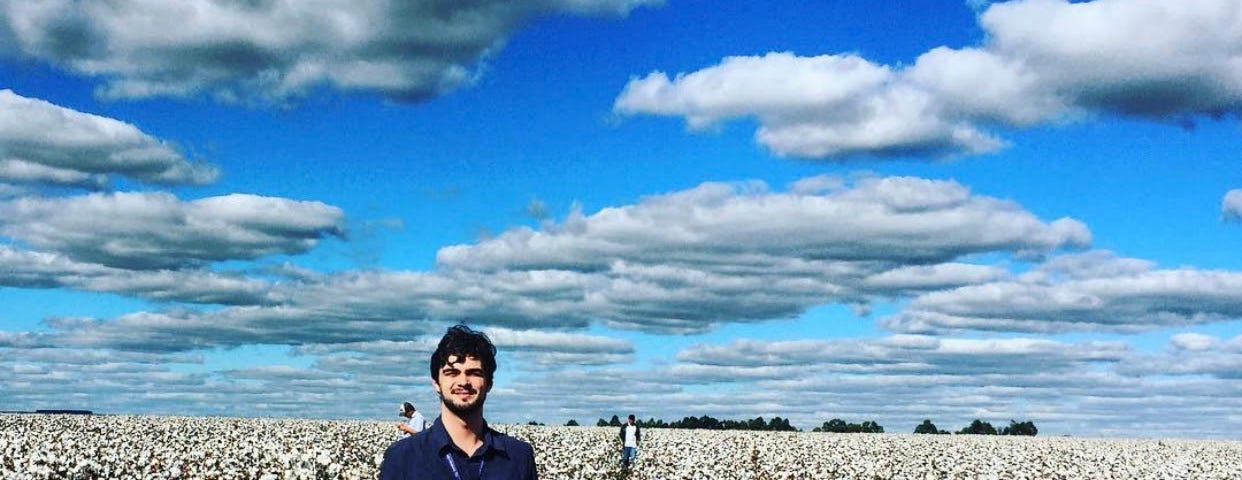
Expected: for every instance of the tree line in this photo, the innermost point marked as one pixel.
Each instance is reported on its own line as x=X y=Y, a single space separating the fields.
x=979 y=427
x=836 y=425
x=776 y=424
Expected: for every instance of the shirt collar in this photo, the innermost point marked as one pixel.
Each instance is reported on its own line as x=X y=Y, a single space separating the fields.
x=443 y=443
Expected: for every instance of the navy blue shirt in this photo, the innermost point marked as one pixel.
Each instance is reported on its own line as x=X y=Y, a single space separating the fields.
x=428 y=456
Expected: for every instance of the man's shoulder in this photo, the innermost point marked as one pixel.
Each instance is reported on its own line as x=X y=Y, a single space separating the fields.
x=511 y=444
x=412 y=445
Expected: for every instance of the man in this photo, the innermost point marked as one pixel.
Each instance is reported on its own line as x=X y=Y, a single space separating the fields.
x=630 y=436
x=459 y=445
x=414 y=422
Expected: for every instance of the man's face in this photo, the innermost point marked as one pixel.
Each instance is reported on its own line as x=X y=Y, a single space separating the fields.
x=462 y=384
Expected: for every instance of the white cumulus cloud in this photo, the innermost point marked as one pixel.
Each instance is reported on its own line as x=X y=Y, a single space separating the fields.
x=1127 y=300
x=1231 y=206
x=274 y=50
x=158 y=230
x=42 y=143
x=1041 y=61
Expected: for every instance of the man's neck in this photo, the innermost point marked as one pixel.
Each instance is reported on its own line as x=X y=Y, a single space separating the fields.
x=466 y=432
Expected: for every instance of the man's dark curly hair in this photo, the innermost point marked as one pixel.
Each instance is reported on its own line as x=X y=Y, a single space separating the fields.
x=460 y=341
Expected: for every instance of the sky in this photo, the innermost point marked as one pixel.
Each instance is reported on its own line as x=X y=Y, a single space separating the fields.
x=890 y=211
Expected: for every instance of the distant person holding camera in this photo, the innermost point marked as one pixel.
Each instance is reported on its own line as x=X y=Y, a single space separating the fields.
x=459 y=445
x=414 y=422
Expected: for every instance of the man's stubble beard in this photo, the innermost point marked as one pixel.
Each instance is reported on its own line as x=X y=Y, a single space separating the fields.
x=464 y=409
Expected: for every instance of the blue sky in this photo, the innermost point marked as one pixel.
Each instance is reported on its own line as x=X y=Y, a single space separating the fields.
x=951 y=210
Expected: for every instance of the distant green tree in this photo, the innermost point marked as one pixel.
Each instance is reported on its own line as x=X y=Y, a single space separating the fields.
x=532 y=422
x=836 y=425
x=1024 y=428
x=572 y=423
x=978 y=427
x=615 y=422
x=707 y=422
x=602 y=423
x=927 y=427
x=651 y=423
x=778 y=424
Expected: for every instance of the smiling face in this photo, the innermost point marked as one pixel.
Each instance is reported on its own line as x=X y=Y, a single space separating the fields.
x=462 y=385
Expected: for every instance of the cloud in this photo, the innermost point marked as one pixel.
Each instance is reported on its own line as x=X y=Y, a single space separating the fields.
x=1042 y=61
x=101 y=380
x=919 y=278
x=41 y=143
x=1064 y=387
x=1129 y=300
x=275 y=50
x=364 y=373
x=1196 y=342
x=71 y=356
x=562 y=349
x=1192 y=354
x=825 y=106
x=1231 y=206
x=735 y=226
x=157 y=230
x=719 y=252
x=1144 y=58
x=185 y=330
x=112 y=382
x=536 y=209
x=902 y=354
x=683 y=262
x=545 y=349
x=1089 y=264
x=26 y=269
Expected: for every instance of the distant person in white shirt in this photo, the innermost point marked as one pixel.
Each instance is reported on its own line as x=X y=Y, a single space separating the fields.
x=414 y=423
x=630 y=436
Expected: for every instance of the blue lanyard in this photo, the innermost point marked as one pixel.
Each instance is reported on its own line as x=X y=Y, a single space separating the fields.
x=448 y=457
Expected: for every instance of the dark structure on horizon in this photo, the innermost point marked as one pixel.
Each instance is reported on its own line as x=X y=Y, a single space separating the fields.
x=54 y=411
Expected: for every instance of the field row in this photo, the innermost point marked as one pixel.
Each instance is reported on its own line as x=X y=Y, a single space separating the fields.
x=46 y=446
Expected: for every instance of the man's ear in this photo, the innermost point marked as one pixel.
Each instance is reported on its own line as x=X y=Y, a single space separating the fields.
x=435 y=386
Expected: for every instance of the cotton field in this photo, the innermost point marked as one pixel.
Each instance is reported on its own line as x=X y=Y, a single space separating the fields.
x=47 y=446
x=700 y=454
